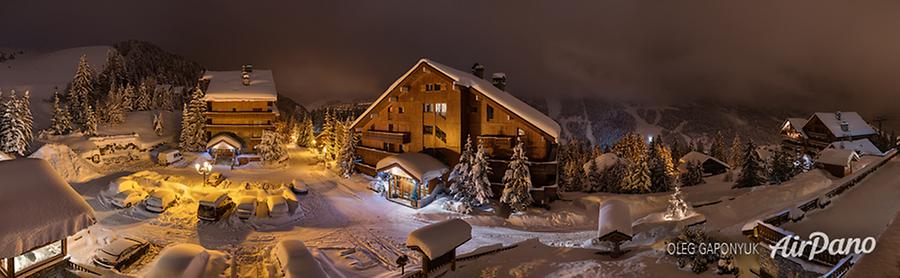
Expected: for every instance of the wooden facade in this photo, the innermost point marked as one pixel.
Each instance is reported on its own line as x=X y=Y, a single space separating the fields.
x=240 y=104
x=427 y=111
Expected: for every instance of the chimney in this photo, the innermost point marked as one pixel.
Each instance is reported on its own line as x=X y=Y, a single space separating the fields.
x=837 y=115
x=499 y=80
x=478 y=70
x=245 y=74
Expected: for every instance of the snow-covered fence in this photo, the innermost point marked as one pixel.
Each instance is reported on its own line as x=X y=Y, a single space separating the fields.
x=468 y=257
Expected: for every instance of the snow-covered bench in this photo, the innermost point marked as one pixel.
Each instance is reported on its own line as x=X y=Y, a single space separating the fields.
x=438 y=242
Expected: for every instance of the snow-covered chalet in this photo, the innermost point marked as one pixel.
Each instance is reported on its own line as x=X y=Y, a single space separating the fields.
x=240 y=106
x=824 y=128
x=417 y=128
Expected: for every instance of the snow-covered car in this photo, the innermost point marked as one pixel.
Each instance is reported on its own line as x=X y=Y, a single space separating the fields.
x=246 y=207
x=215 y=179
x=120 y=252
x=187 y=260
x=278 y=206
x=299 y=187
x=213 y=206
x=128 y=198
x=160 y=200
x=122 y=184
x=293 y=259
x=168 y=157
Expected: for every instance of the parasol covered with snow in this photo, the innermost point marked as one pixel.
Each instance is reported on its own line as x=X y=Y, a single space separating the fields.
x=39 y=207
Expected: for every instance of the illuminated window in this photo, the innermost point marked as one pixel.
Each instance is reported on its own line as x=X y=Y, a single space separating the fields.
x=520 y=132
x=427 y=107
x=441 y=109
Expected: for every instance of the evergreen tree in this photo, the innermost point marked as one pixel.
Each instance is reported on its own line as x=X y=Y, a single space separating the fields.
x=270 y=150
x=129 y=98
x=459 y=176
x=348 y=151
x=662 y=174
x=517 y=181
x=80 y=91
x=115 y=112
x=328 y=136
x=193 y=123
x=594 y=181
x=27 y=119
x=678 y=150
x=12 y=127
x=633 y=149
x=736 y=152
x=145 y=94
x=573 y=176
x=306 y=135
x=481 y=169
x=61 y=123
x=158 y=124
x=90 y=123
x=612 y=178
x=782 y=168
x=751 y=171
x=113 y=72
x=717 y=149
x=693 y=174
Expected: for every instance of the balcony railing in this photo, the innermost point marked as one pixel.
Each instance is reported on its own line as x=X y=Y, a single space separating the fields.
x=387 y=136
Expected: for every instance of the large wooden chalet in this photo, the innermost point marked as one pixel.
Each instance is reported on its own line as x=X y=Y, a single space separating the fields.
x=822 y=129
x=240 y=106
x=432 y=109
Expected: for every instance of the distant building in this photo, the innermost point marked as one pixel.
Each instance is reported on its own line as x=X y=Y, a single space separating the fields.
x=240 y=106
x=433 y=108
x=822 y=129
x=711 y=165
x=838 y=162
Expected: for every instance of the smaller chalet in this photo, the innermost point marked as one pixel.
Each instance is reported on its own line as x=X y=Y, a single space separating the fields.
x=438 y=242
x=792 y=132
x=838 y=162
x=614 y=224
x=40 y=211
x=711 y=165
x=861 y=147
x=411 y=177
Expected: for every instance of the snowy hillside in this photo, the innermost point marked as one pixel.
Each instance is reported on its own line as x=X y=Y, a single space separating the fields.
x=41 y=72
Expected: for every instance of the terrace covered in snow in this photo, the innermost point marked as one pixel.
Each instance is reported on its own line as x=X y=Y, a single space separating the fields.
x=228 y=86
x=33 y=234
x=438 y=242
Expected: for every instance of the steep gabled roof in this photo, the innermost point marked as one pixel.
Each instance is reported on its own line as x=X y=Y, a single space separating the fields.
x=701 y=158
x=855 y=123
x=517 y=106
x=797 y=124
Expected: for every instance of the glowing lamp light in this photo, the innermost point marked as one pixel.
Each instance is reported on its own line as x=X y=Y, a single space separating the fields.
x=203 y=169
x=650 y=139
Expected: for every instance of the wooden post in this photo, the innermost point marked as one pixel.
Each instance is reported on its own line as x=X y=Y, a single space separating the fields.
x=453 y=260
x=11 y=267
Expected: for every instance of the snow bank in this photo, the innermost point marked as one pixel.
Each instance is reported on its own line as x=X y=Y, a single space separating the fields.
x=439 y=238
x=181 y=260
x=68 y=164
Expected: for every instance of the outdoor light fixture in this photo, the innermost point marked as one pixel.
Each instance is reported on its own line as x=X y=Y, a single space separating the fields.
x=203 y=169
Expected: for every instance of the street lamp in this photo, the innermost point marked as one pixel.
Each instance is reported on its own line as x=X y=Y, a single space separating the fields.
x=204 y=169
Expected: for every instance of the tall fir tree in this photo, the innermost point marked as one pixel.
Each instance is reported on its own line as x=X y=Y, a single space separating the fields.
x=61 y=123
x=573 y=176
x=80 y=91
x=612 y=178
x=662 y=174
x=782 y=168
x=717 y=149
x=90 y=123
x=459 y=176
x=328 y=136
x=752 y=170
x=678 y=150
x=113 y=72
x=115 y=111
x=481 y=170
x=306 y=136
x=270 y=149
x=193 y=123
x=12 y=126
x=348 y=151
x=517 y=181
x=129 y=98
x=158 y=124
x=145 y=94
x=633 y=149
x=27 y=118
x=693 y=174
x=594 y=180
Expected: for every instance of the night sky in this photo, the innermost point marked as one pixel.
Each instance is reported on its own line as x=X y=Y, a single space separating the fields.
x=824 y=53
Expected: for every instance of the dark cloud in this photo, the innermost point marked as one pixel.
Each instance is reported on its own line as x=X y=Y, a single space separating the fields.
x=833 y=54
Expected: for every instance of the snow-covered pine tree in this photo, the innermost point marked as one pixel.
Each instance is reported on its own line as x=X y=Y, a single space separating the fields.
x=594 y=181
x=481 y=170
x=61 y=123
x=12 y=126
x=693 y=174
x=113 y=72
x=158 y=124
x=90 y=122
x=27 y=118
x=717 y=149
x=129 y=98
x=661 y=172
x=329 y=134
x=115 y=112
x=612 y=178
x=306 y=134
x=573 y=176
x=145 y=94
x=80 y=91
x=459 y=176
x=752 y=170
x=736 y=152
x=782 y=167
x=678 y=150
x=517 y=181
x=270 y=150
x=631 y=148
x=348 y=151
x=193 y=123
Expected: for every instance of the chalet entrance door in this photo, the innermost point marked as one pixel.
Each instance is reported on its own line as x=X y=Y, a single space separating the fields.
x=223 y=155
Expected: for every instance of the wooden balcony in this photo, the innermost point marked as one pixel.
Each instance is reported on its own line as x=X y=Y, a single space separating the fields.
x=387 y=136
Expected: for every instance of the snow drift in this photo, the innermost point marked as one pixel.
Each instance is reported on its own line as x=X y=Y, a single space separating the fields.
x=68 y=164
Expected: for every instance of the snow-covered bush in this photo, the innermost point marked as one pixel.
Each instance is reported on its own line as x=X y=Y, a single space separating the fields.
x=458 y=206
x=698 y=262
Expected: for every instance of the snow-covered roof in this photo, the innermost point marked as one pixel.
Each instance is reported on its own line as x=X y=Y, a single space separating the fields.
x=224 y=140
x=228 y=86
x=439 y=238
x=797 y=124
x=861 y=146
x=615 y=216
x=855 y=123
x=840 y=157
x=299 y=261
x=419 y=166
x=603 y=162
x=461 y=78
x=700 y=157
x=38 y=208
